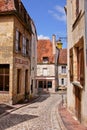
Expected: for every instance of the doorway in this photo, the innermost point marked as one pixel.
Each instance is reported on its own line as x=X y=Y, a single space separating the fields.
x=78 y=103
x=26 y=84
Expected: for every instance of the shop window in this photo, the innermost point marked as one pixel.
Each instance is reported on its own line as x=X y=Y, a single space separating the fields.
x=4 y=77
x=18 y=80
x=71 y=64
x=49 y=84
x=40 y=84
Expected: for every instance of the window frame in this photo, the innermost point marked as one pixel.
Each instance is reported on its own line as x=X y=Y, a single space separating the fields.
x=45 y=60
x=4 y=74
x=18 y=39
x=63 y=69
x=62 y=81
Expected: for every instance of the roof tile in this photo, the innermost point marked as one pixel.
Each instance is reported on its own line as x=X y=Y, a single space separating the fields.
x=44 y=49
x=63 y=56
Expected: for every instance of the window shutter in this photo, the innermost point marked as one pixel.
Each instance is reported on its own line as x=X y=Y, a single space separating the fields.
x=16 y=41
x=71 y=64
x=81 y=67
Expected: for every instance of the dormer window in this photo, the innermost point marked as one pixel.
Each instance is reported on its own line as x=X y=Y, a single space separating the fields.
x=45 y=59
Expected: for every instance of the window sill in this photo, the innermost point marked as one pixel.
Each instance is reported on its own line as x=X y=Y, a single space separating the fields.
x=4 y=92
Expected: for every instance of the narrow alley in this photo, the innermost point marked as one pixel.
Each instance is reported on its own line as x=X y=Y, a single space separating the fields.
x=40 y=115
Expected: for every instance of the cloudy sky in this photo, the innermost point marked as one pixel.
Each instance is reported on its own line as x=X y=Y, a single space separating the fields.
x=49 y=18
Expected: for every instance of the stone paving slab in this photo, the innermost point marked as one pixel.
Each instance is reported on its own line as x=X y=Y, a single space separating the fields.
x=67 y=118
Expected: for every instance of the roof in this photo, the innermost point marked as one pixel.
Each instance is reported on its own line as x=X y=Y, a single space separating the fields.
x=63 y=56
x=7 y=5
x=44 y=49
x=16 y=7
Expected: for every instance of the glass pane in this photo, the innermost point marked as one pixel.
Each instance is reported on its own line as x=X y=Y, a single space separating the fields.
x=49 y=84
x=6 y=70
x=6 y=83
x=1 y=70
x=1 y=82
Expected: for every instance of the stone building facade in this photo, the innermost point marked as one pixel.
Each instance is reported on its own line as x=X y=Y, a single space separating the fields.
x=77 y=58
x=33 y=67
x=46 y=65
x=62 y=69
x=15 y=51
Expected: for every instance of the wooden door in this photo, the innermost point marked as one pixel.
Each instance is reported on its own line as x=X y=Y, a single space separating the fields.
x=78 y=103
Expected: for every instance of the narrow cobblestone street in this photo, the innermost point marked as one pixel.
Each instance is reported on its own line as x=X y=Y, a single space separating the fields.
x=40 y=115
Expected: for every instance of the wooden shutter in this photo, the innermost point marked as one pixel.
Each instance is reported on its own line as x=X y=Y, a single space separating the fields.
x=81 y=54
x=71 y=64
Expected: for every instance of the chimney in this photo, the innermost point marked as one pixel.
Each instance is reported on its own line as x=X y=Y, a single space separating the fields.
x=54 y=43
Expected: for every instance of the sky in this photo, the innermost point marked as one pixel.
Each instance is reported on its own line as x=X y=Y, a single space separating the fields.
x=49 y=18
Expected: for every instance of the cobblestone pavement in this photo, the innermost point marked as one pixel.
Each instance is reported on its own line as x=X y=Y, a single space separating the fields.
x=40 y=115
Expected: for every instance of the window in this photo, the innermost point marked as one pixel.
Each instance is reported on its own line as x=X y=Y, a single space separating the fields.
x=63 y=69
x=45 y=59
x=62 y=81
x=4 y=77
x=45 y=72
x=29 y=53
x=40 y=84
x=77 y=7
x=18 y=41
x=18 y=80
x=49 y=84
x=71 y=64
x=24 y=46
x=27 y=46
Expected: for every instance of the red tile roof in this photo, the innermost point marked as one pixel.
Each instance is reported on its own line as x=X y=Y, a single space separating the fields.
x=16 y=7
x=7 y=5
x=44 y=49
x=63 y=56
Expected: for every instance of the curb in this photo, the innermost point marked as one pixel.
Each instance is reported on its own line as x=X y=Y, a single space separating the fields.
x=61 y=124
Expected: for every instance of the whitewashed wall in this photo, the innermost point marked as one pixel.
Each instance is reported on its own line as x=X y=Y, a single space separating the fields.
x=62 y=75
x=50 y=69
